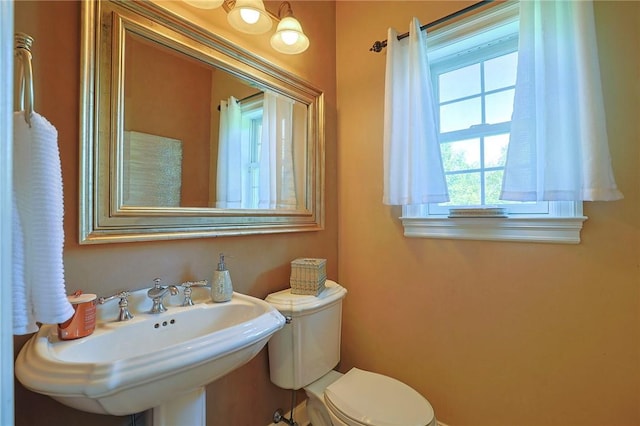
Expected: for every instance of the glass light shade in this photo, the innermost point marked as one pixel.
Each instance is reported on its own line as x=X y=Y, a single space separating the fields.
x=289 y=37
x=244 y=12
x=205 y=4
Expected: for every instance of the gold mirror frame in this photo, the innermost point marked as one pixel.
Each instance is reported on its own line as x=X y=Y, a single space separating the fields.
x=103 y=218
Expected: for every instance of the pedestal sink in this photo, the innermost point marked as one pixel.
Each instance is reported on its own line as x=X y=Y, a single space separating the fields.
x=153 y=361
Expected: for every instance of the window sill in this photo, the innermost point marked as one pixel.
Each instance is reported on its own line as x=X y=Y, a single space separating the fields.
x=559 y=230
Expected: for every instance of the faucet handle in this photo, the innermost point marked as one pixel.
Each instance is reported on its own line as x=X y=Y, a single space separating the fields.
x=123 y=304
x=121 y=294
x=188 y=290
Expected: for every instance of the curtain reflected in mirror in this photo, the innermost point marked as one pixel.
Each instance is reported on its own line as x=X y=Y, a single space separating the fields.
x=256 y=153
x=277 y=179
x=230 y=183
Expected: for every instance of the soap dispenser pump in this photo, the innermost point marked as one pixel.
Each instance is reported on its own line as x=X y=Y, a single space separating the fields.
x=221 y=287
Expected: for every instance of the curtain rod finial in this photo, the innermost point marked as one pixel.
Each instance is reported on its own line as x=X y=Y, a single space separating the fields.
x=378 y=46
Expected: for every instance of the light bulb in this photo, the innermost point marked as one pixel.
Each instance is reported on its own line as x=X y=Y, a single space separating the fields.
x=249 y=16
x=289 y=37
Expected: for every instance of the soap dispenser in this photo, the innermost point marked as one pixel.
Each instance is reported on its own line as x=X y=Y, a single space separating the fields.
x=221 y=287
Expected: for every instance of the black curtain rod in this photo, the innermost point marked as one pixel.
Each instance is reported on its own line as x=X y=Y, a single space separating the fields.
x=246 y=98
x=379 y=45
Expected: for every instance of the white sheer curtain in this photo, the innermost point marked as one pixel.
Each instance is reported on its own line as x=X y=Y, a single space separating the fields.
x=229 y=179
x=413 y=172
x=558 y=149
x=277 y=180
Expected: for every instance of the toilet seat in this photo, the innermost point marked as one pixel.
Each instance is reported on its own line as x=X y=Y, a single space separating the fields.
x=364 y=398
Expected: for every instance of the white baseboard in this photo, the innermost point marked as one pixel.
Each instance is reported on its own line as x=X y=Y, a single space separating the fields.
x=299 y=416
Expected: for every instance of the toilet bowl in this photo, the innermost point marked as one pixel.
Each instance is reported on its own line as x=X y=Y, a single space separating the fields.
x=363 y=398
x=304 y=353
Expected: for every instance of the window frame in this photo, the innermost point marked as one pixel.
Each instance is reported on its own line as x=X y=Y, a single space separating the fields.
x=251 y=117
x=552 y=221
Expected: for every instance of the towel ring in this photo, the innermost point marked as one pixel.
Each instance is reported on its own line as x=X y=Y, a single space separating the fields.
x=23 y=44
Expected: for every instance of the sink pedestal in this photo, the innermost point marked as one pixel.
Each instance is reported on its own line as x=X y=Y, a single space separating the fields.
x=188 y=409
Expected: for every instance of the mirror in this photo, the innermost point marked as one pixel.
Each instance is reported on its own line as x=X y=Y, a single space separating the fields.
x=185 y=135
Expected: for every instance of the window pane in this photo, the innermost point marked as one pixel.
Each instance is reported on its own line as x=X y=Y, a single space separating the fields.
x=464 y=189
x=461 y=155
x=495 y=150
x=460 y=115
x=501 y=71
x=492 y=186
x=459 y=83
x=499 y=107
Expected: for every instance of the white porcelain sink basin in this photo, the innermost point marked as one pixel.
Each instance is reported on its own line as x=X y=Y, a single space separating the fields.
x=131 y=366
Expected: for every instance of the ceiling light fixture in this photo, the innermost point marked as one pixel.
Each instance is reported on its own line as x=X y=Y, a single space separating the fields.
x=289 y=37
x=251 y=17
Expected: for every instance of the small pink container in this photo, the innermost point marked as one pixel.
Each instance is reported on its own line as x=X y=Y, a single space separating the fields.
x=83 y=321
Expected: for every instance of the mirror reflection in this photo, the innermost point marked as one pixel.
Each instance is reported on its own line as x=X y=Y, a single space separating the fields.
x=184 y=134
x=198 y=136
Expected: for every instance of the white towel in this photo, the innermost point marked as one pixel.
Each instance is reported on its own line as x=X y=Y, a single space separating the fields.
x=38 y=270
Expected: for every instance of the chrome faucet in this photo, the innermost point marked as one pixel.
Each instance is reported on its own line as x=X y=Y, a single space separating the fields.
x=156 y=294
x=124 y=315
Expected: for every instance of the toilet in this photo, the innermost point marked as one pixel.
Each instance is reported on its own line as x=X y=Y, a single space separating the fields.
x=304 y=353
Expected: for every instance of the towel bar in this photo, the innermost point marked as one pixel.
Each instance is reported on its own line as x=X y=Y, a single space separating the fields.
x=23 y=44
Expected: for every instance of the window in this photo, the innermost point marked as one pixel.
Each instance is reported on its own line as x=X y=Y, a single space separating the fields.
x=473 y=70
x=252 y=134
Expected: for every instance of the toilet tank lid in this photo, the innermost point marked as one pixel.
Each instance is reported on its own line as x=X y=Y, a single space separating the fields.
x=289 y=303
x=375 y=399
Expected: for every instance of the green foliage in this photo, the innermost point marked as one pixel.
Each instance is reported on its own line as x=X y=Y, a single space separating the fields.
x=464 y=183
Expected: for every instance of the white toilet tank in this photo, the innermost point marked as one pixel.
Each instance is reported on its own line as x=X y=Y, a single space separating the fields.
x=309 y=346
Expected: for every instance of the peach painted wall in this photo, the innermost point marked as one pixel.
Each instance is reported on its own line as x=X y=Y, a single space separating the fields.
x=259 y=264
x=492 y=333
x=161 y=74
